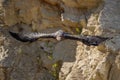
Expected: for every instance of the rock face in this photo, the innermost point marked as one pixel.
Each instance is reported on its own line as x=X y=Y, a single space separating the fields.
x=102 y=62
x=64 y=60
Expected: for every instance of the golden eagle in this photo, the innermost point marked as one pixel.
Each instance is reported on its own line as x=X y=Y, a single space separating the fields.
x=59 y=35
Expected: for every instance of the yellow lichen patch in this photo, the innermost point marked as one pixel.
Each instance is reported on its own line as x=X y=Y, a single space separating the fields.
x=50 y=57
x=56 y=68
x=78 y=30
x=55 y=65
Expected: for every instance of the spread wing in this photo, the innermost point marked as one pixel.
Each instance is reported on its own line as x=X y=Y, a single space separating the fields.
x=30 y=37
x=88 y=40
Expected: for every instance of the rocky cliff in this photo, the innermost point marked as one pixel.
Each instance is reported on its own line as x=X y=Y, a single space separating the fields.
x=64 y=60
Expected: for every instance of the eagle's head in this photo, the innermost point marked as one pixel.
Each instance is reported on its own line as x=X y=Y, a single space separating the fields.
x=59 y=34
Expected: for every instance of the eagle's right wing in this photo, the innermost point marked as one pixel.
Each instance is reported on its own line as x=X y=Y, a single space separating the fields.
x=87 y=40
x=30 y=37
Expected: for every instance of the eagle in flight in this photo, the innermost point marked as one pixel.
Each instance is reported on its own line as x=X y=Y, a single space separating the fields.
x=59 y=35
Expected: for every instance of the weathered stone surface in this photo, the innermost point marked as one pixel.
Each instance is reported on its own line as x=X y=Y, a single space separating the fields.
x=109 y=17
x=65 y=60
x=88 y=4
x=102 y=62
x=15 y=12
x=63 y=54
x=47 y=13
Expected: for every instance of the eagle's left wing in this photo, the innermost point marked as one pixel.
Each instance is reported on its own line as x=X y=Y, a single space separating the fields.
x=88 y=40
x=30 y=37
